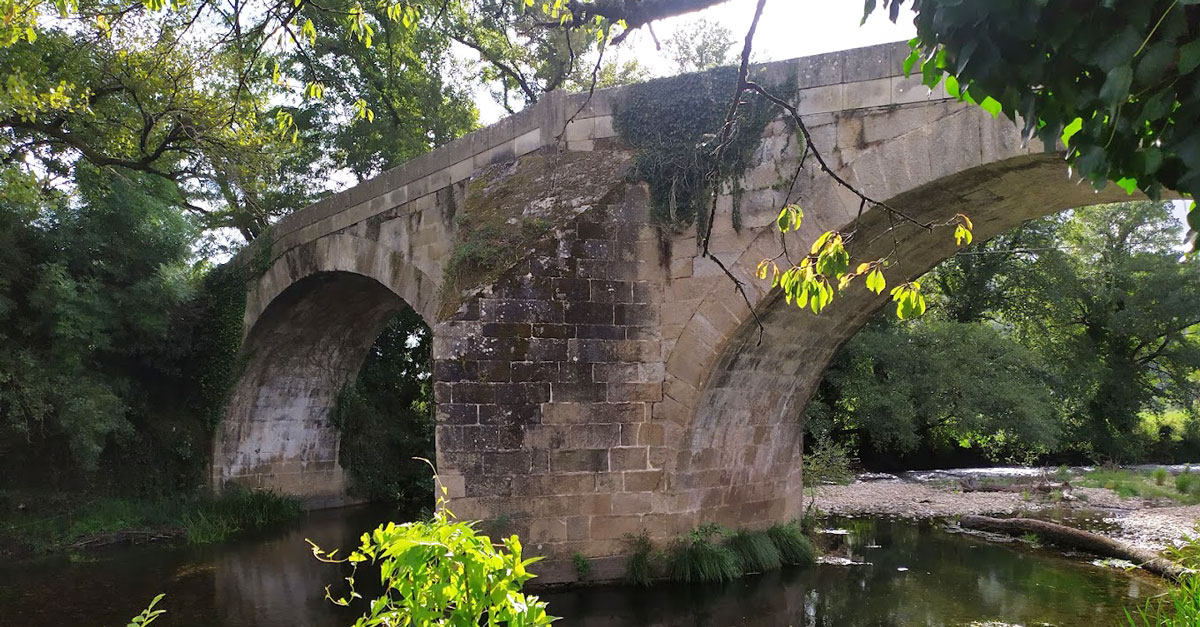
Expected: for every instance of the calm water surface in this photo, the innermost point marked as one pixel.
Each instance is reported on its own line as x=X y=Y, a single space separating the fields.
x=948 y=579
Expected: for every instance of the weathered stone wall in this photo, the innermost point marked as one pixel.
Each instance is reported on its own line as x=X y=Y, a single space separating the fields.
x=612 y=380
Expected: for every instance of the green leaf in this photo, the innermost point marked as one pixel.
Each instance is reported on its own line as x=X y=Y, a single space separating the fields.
x=913 y=60
x=1129 y=185
x=1189 y=57
x=952 y=86
x=992 y=106
x=876 y=282
x=1116 y=86
x=1069 y=131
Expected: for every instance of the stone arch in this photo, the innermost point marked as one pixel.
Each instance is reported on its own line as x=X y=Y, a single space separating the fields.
x=309 y=322
x=737 y=395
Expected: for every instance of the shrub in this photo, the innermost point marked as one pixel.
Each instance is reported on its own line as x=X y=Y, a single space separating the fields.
x=1188 y=483
x=442 y=572
x=696 y=558
x=793 y=546
x=1160 y=476
x=640 y=570
x=583 y=567
x=755 y=551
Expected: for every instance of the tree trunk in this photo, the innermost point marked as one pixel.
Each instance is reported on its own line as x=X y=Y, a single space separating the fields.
x=1078 y=539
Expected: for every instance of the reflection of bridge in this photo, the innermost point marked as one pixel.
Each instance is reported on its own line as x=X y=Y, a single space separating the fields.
x=611 y=380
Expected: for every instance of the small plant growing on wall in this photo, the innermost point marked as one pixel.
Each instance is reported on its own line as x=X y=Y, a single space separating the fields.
x=583 y=566
x=640 y=569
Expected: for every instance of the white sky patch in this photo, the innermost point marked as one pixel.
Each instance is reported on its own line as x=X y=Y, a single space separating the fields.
x=788 y=29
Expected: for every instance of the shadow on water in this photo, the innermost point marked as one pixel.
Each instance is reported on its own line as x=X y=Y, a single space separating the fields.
x=274 y=582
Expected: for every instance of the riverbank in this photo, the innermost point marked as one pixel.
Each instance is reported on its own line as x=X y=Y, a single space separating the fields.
x=35 y=524
x=1151 y=522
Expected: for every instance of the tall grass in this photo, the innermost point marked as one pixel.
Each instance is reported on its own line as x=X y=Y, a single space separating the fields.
x=640 y=569
x=755 y=551
x=70 y=522
x=794 y=547
x=1180 y=607
x=238 y=510
x=700 y=557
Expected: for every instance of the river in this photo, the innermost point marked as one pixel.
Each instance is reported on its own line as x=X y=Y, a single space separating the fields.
x=917 y=574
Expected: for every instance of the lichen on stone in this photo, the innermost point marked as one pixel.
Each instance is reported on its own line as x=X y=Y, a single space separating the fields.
x=511 y=207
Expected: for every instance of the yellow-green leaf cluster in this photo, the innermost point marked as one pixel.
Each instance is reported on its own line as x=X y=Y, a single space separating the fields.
x=443 y=572
x=825 y=271
x=910 y=303
x=790 y=218
x=963 y=230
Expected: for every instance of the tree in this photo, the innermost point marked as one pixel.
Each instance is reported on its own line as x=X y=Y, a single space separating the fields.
x=975 y=284
x=1115 y=310
x=1118 y=88
x=1089 y=328
x=86 y=294
x=701 y=45
x=936 y=386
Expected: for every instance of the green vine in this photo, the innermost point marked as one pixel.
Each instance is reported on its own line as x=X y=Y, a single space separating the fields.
x=673 y=124
x=219 y=308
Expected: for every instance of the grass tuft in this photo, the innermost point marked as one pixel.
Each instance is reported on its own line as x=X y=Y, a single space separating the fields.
x=755 y=551
x=698 y=558
x=1180 y=607
x=794 y=547
x=640 y=569
x=1130 y=484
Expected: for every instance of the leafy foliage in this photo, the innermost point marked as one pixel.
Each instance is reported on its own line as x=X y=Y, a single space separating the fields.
x=1118 y=88
x=1062 y=335
x=148 y=615
x=442 y=572
x=825 y=271
x=86 y=293
x=699 y=46
x=938 y=383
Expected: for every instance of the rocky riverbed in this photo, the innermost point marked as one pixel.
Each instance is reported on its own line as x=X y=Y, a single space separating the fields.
x=1151 y=523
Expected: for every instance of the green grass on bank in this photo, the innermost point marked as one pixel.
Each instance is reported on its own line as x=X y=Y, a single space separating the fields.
x=40 y=524
x=1183 y=488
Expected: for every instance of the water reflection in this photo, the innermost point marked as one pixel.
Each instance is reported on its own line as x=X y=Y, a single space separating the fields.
x=947 y=580
x=275 y=582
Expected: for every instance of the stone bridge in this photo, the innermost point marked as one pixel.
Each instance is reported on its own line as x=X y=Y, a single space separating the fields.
x=608 y=379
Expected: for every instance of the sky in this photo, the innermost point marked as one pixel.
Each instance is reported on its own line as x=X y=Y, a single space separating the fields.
x=788 y=29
